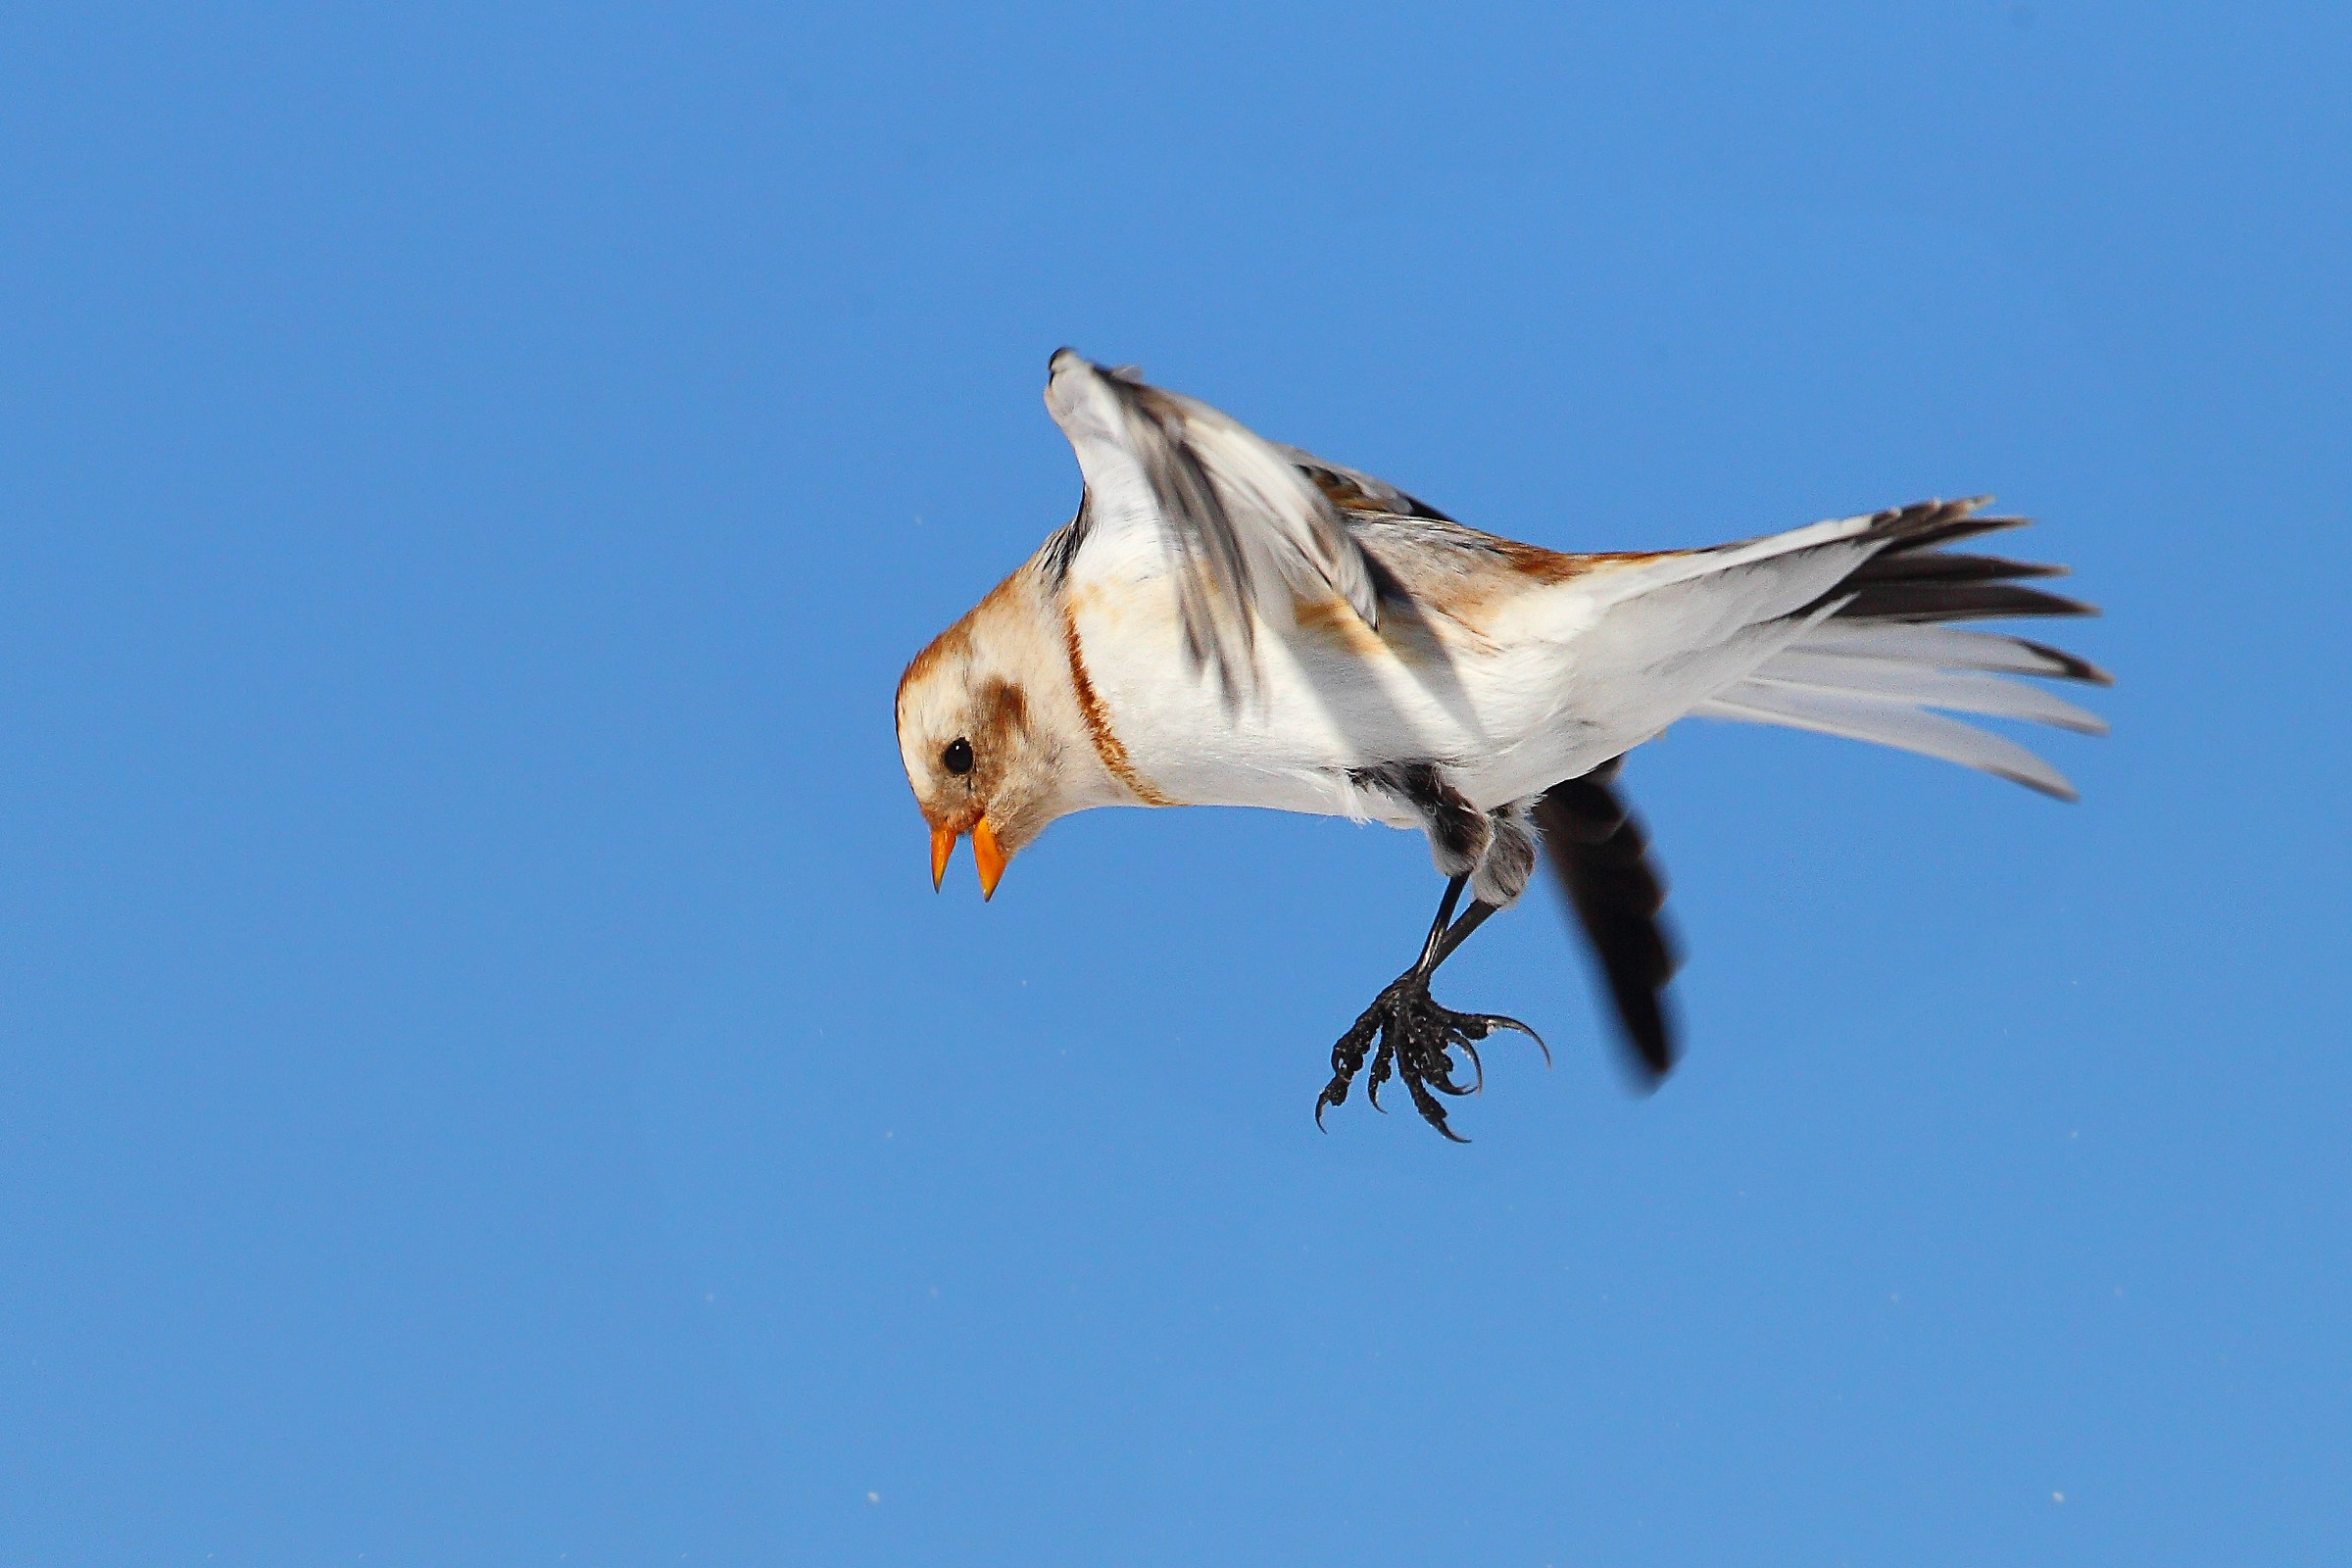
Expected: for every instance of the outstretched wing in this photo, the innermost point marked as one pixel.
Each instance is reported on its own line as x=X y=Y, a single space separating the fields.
x=1601 y=858
x=1169 y=476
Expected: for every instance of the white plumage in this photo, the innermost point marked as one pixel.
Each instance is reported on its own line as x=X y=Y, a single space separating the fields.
x=1228 y=621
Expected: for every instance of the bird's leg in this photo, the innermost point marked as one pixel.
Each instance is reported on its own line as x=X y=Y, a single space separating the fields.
x=1348 y=1053
x=1433 y=951
x=1416 y=1035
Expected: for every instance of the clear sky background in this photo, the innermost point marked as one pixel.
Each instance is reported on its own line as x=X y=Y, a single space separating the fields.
x=487 y=1079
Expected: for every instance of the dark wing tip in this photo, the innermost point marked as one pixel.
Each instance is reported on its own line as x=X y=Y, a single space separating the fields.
x=1602 y=859
x=1650 y=1034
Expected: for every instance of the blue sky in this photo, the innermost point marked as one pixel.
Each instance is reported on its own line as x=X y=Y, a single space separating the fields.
x=487 y=1079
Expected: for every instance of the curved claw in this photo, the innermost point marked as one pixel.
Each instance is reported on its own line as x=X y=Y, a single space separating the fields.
x=1496 y=1020
x=1381 y=1063
x=1471 y=1050
x=1437 y=1073
x=1430 y=1111
x=1417 y=1036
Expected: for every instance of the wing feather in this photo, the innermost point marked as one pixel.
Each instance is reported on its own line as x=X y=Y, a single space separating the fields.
x=1239 y=519
x=1354 y=490
x=1601 y=858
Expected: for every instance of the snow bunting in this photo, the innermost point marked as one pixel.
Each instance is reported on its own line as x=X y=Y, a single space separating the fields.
x=1229 y=622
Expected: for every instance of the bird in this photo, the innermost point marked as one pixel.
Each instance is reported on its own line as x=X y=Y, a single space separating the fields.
x=1227 y=621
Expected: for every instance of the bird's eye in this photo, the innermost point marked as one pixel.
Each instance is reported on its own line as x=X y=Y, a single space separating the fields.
x=957 y=756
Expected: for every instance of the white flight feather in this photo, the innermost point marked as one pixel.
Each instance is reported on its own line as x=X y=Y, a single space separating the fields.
x=1176 y=485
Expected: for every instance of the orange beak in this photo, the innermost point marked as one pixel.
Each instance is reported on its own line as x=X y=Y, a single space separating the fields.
x=987 y=855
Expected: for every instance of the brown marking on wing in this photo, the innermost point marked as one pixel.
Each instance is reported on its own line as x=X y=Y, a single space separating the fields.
x=1466 y=577
x=1343 y=492
x=1539 y=564
x=1551 y=565
x=1406 y=634
x=1479 y=582
x=1097 y=714
x=1336 y=621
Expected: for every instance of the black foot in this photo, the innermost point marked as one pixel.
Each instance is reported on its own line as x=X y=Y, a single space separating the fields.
x=1416 y=1038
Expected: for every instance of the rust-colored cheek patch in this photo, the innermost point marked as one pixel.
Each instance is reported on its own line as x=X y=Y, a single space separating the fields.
x=1004 y=715
x=1092 y=709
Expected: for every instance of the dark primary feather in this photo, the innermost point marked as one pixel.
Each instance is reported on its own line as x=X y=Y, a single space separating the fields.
x=1927 y=598
x=1929 y=524
x=1942 y=567
x=1914 y=579
x=1601 y=858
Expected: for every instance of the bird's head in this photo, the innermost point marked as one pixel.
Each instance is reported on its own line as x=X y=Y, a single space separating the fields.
x=982 y=734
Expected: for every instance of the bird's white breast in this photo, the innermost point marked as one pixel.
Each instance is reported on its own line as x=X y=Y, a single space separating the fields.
x=1332 y=696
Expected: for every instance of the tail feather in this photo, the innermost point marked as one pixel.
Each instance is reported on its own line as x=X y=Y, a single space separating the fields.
x=1940 y=566
x=1926 y=600
x=1932 y=524
x=1950 y=648
x=1873 y=654
x=1905 y=728
x=1911 y=683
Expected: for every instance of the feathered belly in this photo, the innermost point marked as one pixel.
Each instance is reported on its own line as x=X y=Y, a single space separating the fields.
x=1330 y=698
